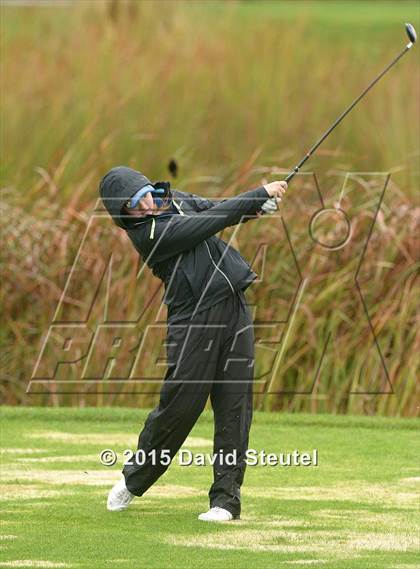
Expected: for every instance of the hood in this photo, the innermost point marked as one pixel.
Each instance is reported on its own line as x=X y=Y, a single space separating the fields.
x=117 y=186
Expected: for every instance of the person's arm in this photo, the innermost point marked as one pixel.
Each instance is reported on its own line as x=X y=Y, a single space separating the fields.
x=275 y=191
x=182 y=232
x=197 y=202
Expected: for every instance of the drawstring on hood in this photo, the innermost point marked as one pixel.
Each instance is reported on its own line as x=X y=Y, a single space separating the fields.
x=119 y=185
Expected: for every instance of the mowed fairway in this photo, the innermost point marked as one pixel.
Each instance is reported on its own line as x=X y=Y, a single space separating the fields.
x=358 y=508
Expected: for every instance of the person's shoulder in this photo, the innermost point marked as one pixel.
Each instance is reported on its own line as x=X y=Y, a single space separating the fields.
x=185 y=199
x=180 y=195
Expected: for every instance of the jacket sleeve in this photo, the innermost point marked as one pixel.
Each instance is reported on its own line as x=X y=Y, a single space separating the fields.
x=202 y=204
x=197 y=202
x=182 y=232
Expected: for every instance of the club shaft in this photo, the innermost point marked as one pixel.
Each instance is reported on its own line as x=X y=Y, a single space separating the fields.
x=343 y=114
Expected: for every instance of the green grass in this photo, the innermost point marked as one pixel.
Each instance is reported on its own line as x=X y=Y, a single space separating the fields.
x=357 y=509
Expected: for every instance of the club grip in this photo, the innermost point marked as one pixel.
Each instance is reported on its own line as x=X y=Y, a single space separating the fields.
x=290 y=176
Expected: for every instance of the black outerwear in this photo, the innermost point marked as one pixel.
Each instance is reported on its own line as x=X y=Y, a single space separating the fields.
x=194 y=372
x=197 y=268
x=204 y=282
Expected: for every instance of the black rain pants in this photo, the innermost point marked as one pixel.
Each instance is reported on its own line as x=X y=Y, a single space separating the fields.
x=211 y=353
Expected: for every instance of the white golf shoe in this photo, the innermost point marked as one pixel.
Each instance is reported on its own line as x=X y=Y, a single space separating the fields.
x=216 y=514
x=119 y=497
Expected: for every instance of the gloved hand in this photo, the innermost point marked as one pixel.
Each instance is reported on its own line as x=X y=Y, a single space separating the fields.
x=276 y=190
x=270 y=206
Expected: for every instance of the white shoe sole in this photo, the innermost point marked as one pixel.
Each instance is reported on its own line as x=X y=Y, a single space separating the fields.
x=203 y=518
x=215 y=521
x=117 y=509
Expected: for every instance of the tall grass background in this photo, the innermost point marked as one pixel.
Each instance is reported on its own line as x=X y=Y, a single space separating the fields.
x=235 y=91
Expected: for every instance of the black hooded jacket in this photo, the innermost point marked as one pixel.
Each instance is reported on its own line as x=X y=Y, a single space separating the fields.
x=180 y=246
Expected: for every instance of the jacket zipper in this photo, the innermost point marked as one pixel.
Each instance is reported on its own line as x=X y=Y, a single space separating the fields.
x=218 y=268
x=178 y=207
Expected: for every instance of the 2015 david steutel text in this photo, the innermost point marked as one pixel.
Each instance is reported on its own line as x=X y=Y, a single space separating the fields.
x=253 y=457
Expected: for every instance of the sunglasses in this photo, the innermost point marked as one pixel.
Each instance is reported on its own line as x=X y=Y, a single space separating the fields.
x=158 y=194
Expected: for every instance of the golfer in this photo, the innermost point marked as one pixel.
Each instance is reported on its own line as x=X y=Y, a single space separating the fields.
x=210 y=338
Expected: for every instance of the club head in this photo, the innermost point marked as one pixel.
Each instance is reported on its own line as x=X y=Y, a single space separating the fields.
x=411 y=32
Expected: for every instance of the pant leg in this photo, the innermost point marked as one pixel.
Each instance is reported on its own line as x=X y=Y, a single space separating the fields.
x=192 y=352
x=232 y=399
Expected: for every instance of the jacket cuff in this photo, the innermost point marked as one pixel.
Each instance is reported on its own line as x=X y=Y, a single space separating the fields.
x=259 y=197
x=263 y=192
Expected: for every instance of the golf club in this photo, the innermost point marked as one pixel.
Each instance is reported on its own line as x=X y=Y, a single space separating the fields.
x=411 y=32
